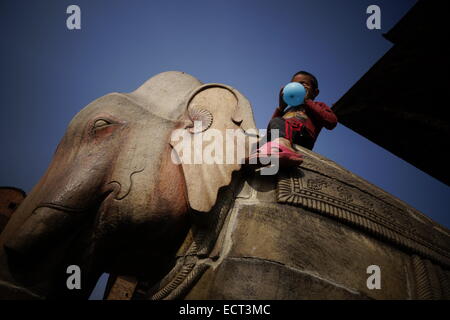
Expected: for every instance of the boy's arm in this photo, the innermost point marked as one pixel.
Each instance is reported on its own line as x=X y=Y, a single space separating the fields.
x=322 y=113
x=281 y=106
x=278 y=113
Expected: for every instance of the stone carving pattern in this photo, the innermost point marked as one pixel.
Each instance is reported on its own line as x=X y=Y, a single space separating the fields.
x=431 y=281
x=379 y=216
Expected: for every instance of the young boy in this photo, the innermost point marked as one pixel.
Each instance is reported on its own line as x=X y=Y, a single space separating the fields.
x=299 y=125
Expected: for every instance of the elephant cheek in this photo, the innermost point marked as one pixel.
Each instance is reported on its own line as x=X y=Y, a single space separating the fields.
x=171 y=191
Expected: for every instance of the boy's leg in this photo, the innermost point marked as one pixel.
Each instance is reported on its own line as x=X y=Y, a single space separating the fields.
x=288 y=131
x=279 y=147
x=280 y=125
x=276 y=124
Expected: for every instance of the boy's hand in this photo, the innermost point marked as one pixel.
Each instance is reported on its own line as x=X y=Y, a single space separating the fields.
x=308 y=96
x=306 y=101
x=282 y=105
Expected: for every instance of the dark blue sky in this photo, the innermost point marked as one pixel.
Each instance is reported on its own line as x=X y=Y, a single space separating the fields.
x=48 y=73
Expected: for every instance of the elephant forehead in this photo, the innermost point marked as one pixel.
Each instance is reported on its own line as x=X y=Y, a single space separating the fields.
x=115 y=104
x=163 y=96
x=166 y=93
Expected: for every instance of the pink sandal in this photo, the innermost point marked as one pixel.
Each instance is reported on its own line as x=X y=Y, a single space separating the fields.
x=286 y=156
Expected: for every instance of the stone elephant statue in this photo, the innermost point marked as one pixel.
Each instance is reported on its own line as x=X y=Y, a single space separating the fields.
x=114 y=200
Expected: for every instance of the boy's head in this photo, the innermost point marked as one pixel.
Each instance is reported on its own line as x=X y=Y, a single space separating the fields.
x=310 y=83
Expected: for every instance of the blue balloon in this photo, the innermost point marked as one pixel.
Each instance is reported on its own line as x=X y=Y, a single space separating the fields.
x=294 y=94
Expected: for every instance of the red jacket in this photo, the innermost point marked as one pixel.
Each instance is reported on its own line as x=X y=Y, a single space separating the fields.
x=319 y=116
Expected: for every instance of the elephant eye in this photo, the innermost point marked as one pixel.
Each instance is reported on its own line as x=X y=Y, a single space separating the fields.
x=101 y=123
x=103 y=127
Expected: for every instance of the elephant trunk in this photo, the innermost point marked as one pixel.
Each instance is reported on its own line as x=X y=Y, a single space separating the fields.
x=45 y=236
x=42 y=232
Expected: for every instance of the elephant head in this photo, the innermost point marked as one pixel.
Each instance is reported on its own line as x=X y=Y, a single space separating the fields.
x=113 y=199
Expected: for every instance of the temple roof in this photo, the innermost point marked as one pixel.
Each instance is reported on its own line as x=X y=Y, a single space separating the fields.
x=400 y=103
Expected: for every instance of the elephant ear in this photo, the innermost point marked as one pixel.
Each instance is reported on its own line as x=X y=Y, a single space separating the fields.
x=215 y=151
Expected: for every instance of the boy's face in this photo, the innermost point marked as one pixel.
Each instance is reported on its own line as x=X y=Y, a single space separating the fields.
x=307 y=82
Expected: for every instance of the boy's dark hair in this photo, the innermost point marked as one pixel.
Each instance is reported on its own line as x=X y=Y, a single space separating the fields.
x=314 y=79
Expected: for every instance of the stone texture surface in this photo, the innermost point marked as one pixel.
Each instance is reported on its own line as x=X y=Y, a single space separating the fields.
x=272 y=249
x=317 y=250
x=254 y=279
